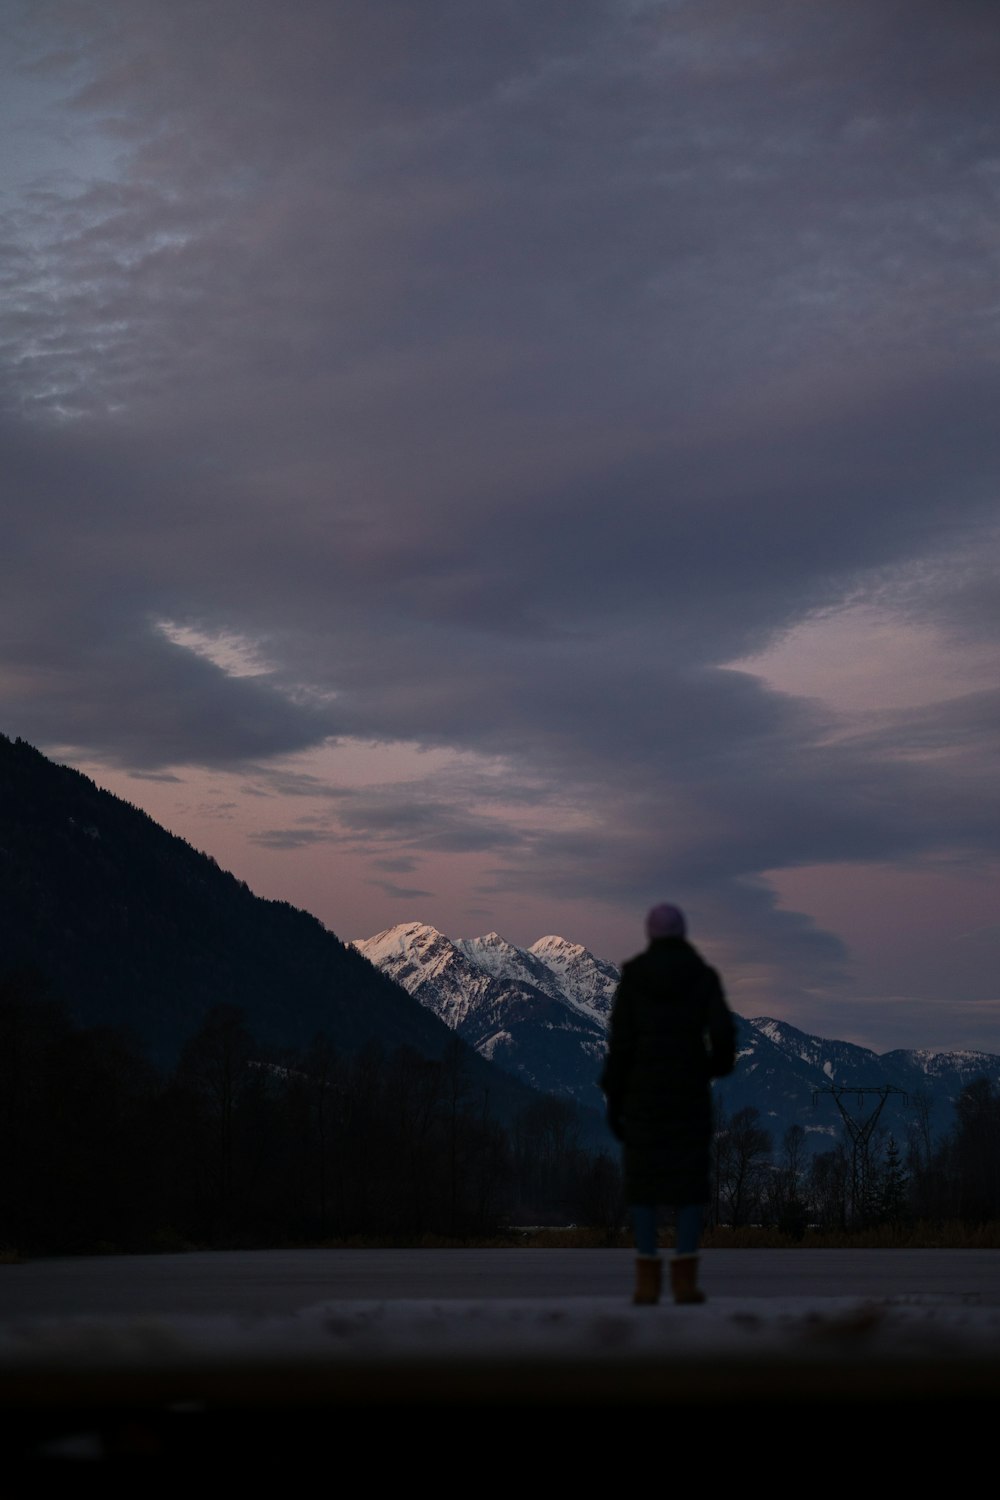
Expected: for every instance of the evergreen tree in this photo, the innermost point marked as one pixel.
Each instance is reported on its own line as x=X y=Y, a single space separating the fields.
x=893 y=1205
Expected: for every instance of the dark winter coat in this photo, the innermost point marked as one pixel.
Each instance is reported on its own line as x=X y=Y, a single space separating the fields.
x=671 y=1032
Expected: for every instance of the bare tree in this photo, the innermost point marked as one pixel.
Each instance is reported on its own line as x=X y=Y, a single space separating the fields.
x=215 y=1066
x=829 y=1187
x=742 y=1154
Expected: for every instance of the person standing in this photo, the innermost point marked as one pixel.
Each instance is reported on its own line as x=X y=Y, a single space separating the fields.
x=671 y=1032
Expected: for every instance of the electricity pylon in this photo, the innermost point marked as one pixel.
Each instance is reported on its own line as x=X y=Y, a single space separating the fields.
x=860 y=1129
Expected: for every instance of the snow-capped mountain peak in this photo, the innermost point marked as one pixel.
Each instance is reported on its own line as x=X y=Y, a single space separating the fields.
x=491 y=952
x=542 y=1012
x=400 y=939
x=408 y=943
x=510 y=1004
x=556 y=945
x=837 y=1061
x=588 y=983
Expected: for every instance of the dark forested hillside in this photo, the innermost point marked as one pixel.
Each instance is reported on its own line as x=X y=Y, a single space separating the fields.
x=183 y=1062
x=99 y=1150
x=129 y=925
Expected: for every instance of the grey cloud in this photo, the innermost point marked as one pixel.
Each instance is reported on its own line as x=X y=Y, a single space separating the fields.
x=142 y=702
x=280 y=781
x=963 y=723
x=438 y=814
x=418 y=819
x=961 y=595
x=506 y=370
x=632 y=870
x=91 y=535
x=291 y=838
x=401 y=892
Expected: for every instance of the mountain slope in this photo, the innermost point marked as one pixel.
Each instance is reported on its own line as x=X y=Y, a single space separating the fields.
x=542 y=1012
x=130 y=925
x=816 y=1064
x=586 y=982
x=502 y=1000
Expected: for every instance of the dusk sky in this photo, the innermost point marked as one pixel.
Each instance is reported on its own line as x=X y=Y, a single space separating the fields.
x=502 y=463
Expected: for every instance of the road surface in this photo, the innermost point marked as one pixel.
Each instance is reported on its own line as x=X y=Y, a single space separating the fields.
x=282 y=1282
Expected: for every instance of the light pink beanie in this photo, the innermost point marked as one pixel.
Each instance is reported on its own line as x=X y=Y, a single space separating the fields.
x=665 y=921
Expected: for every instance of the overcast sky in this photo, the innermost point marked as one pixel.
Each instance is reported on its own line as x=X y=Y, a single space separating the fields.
x=503 y=464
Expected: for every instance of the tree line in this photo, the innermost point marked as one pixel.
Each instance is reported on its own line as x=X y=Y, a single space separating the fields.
x=756 y=1180
x=244 y=1145
x=241 y=1145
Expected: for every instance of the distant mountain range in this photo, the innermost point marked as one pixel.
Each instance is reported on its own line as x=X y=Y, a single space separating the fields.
x=542 y=1013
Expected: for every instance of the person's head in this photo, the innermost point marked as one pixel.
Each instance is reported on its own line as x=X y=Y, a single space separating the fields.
x=665 y=921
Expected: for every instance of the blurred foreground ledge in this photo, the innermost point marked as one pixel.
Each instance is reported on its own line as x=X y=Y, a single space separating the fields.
x=565 y=1419
x=562 y=1370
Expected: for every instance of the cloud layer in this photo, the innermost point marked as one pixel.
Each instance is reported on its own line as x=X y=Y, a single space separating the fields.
x=503 y=375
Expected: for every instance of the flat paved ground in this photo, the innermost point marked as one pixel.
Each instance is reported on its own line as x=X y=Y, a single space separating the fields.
x=256 y=1356
x=278 y=1283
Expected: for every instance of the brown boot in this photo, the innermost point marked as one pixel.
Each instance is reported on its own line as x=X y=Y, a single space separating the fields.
x=648 y=1280
x=684 y=1279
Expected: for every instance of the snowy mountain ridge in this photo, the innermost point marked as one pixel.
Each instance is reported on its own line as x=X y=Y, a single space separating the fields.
x=565 y=971
x=542 y=1012
x=515 y=1008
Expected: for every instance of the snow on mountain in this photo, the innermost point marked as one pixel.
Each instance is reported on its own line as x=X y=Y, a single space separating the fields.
x=785 y=1063
x=432 y=968
x=542 y=1013
x=845 y=1064
x=588 y=983
x=838 y=1062
x=497 y=957
x=959 y=1068
x=502 y=1000
x=418 y=953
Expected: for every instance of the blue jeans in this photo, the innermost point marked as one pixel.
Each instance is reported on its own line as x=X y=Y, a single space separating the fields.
x=643 y=1216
